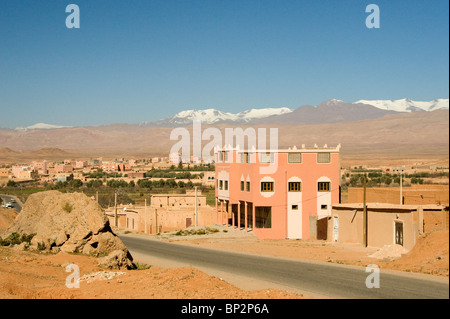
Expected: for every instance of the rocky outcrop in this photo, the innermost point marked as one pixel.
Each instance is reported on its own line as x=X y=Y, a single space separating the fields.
x=69 y=222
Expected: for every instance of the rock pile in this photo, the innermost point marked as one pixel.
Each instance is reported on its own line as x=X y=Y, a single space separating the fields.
x=389 y=252
x=72 y=223
x=101 y=275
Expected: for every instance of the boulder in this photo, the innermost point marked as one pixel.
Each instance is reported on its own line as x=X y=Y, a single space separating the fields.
x=68 y=222
x=118 y=259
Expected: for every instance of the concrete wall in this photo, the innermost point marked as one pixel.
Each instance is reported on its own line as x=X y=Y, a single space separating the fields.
x=167 y=219
x=414 y=195
x=177 y=201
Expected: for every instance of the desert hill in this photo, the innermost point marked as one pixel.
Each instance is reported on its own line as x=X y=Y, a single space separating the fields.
x=397 y=134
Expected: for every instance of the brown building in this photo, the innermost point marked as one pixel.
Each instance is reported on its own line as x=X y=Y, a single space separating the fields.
x=136 y=175
x=387 y=224
x=4 y=172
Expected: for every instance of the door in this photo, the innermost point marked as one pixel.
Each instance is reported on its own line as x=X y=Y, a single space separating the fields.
x=399 y=233
x=188 y=222
x=295 y=221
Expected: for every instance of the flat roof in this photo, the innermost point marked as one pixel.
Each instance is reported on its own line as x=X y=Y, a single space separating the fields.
x=389 y=207
x=177 y=195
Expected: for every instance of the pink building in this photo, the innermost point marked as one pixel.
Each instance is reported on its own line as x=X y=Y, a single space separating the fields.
x=62 y=168
x=80 y=164
x=17 y=170
x=175 y=158
x=24 y=172
x=109 y=166
x=40 y=167
x=277 y=195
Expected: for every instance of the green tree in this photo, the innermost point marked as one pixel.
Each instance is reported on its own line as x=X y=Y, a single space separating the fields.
x=76 y=183
x=388 y=180
x=11 y=183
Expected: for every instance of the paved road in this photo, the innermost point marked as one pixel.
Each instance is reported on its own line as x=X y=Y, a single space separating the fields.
x=335 y=281
x=7 y=199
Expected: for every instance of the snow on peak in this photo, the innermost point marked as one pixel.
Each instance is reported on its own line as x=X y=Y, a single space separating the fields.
x=408 y=105
x=40 y=126
x=211 y=116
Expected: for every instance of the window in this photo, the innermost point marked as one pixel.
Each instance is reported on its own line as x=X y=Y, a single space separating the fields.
x=295 y=186
x=323 y=206
x=294 y=207
x=219 y=155
x=294 y=157
x=226 y=185
x=247 y=157
x=323 y=158
x=242 y=185
x=266 y=186
x=220 y=184
x=263 y=217
x=226 y=156
x=248 y=186
x=242 y=157
x=266 y=158
x=323 y=186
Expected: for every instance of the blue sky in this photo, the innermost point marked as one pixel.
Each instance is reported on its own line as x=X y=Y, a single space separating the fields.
x=133 y=61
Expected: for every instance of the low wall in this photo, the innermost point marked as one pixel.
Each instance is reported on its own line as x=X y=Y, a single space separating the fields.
x=414 y=195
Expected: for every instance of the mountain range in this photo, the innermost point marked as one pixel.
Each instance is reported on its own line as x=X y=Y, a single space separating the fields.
x=359 y=127
x=330 y=111
x=326 y=112
x=407 y=105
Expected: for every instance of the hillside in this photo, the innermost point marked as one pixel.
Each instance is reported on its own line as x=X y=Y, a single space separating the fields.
x=416 y=134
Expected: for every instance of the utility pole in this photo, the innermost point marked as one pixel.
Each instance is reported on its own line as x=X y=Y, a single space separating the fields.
x=96 y=196
x=196 y=205
x=364 y=215
x=401 y=182
x=115 y=208
x=401 y=187
x=145 y=216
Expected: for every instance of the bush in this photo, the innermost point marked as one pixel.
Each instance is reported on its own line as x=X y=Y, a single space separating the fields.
x=67 y=207
x=140 y=266
x=16 y=239
x=11 y=183
x=41 y=246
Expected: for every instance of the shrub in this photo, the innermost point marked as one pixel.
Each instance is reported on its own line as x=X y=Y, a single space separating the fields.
x=16 y=239
x=67 y=207
x=140 y=266
x=41 y=246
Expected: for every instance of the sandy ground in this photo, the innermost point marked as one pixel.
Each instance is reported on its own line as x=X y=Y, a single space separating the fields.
x=25 y=274
x=429 y=256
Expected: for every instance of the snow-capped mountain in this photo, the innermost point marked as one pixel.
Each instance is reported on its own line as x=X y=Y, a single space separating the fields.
x=211 y=116
x=407 y=105
x=40 y=126
x=332 y=109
